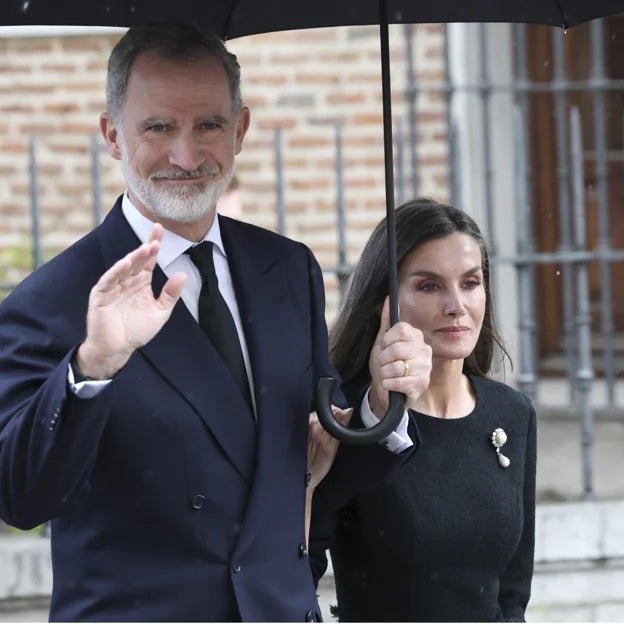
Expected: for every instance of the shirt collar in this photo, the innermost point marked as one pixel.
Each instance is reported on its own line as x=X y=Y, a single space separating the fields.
x=173 y=246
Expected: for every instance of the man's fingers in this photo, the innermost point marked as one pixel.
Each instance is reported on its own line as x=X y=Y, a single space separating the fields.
x=343 y=416
x=172 y=290
x=156 y=234
x=142 y=258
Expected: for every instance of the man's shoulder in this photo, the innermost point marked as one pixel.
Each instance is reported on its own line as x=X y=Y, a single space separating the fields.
x=254 y=237
x=246 y=229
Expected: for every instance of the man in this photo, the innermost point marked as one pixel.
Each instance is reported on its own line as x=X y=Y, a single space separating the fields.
x=176 y=488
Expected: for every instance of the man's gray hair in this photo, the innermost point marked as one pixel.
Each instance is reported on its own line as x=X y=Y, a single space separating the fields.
x=179 y=42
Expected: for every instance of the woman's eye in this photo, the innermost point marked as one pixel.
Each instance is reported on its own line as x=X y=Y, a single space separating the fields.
x=427 y=287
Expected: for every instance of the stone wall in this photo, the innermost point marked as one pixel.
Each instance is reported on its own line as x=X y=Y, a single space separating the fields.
x=579 y=571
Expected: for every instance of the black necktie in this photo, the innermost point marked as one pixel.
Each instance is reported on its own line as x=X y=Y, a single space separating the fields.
x=216 y=319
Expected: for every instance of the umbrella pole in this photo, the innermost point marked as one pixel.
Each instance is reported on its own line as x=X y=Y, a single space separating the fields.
x=396 y=399
x=325 y=385
x=386 y=96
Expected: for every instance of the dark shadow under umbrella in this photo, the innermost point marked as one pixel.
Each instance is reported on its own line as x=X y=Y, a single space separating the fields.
x=237 y=18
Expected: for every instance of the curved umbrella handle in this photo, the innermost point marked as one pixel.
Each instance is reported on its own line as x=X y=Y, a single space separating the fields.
x=325 y=385
x=356 y=437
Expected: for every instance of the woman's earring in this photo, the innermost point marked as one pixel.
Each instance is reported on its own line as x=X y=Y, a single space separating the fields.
x=499 y=437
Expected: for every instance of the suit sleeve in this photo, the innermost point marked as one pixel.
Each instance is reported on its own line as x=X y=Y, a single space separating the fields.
x=515 y=582
x=48 y=437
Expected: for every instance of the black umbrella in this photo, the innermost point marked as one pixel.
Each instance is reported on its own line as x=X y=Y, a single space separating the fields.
x=236 y=18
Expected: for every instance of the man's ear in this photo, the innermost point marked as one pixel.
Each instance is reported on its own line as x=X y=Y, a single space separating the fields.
x=110 y=134
x=242 y=125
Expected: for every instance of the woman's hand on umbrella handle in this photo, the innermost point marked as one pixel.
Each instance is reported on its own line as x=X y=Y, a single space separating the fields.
x=400 y=361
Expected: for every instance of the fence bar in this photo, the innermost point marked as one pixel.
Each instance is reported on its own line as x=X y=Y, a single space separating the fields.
x=96 y=179
x=412 y=99
x=400 y=162
x=526 y=377
x=449 y=95
x=485 y=94
x=342 y=271
x=598 y=78
x=578 y=86
x=559 y=84
x=279 y=183
x=584 y=374
x=34 y=202
x=456 y=170
x=556 y=257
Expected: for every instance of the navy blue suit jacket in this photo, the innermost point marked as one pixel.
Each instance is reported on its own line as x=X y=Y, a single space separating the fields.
x=167 y=502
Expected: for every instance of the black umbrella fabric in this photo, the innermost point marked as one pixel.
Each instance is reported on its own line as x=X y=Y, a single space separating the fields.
x=237 y=18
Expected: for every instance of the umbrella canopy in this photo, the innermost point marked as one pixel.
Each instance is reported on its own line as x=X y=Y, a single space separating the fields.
x=236 y=18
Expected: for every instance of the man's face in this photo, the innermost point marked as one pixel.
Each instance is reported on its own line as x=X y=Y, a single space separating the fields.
x=177 y=137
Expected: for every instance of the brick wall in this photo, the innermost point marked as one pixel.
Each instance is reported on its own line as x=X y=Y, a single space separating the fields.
x=53 y=88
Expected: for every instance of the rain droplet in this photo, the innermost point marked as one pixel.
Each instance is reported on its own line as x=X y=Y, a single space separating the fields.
x=132 y=8
x=558 y=273
x=565 y=31
x=25 y=5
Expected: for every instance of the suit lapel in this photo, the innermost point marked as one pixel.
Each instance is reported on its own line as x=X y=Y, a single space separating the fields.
x=262 y=291
x=188 y=361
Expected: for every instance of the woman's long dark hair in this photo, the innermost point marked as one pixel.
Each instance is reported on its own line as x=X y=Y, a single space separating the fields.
x=417 y=222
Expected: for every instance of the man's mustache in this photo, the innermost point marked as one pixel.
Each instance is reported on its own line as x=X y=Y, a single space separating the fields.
x=183 y=174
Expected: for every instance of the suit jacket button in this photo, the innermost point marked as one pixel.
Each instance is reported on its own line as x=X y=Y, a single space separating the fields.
x=197 y=501
x=310 y=617
x=303 y=551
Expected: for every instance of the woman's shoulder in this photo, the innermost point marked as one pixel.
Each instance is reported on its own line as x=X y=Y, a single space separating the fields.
x=497 y=394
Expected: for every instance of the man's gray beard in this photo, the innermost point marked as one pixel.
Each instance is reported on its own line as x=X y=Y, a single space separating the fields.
x=185 y=204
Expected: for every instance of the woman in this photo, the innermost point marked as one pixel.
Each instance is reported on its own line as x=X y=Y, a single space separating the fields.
x=450 y=536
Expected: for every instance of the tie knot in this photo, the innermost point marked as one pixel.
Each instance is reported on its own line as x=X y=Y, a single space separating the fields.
x=201 y=255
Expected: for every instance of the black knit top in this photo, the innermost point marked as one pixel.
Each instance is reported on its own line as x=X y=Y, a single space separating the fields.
x=450 y=536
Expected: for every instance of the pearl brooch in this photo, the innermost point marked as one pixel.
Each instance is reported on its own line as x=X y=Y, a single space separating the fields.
x=499 y=437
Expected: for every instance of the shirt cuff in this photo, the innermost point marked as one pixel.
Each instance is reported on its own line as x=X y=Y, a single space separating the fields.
x=85 y=389
x=399 y=439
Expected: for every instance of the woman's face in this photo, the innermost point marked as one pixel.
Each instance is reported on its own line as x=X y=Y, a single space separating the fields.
x=441 y=292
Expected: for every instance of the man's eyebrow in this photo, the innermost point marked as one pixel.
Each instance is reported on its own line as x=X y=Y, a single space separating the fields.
x=150 y=121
